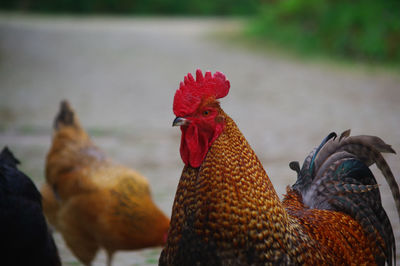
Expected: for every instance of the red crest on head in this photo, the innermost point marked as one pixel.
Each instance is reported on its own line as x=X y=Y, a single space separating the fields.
x=191 y=91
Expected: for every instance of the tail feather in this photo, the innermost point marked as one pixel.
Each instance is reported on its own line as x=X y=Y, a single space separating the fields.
x=66 y=116
x=342 y=155
x=336 y=176
x=329 y=138
x=344 y=134
x=305 y=174
x=7 y=157
x=364 y=147
x=367 y=149
x=14 y=181
x=373 y=227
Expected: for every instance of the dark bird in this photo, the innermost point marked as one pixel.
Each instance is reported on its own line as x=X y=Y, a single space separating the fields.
x=25 y=238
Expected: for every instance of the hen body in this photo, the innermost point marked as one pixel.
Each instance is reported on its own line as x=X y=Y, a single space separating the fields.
x=226 y=211
x=94 y=202
x=25 y=237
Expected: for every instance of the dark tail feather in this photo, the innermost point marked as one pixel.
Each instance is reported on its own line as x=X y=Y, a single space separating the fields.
x=65 y=117
x=367 y=149
x=7 y=158
x=305 y=175
x=336 y=176
x=331 y=136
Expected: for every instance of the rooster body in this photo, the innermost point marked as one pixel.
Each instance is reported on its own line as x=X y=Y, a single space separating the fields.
x=94 y=202
x=226 y=211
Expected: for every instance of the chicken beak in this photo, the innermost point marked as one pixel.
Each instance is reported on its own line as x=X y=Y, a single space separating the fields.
x=180 y=121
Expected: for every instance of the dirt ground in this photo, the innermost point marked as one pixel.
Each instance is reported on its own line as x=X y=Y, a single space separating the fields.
x=120 y=75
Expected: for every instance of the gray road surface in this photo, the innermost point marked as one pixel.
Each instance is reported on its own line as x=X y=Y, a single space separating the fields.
x=121 y=74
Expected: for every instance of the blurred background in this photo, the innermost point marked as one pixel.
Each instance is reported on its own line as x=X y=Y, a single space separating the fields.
x=366 y=30
x=299 y=69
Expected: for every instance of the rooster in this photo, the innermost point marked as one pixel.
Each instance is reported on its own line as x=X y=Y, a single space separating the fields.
x=25 y=237
x=226 y=211
x=94 y=202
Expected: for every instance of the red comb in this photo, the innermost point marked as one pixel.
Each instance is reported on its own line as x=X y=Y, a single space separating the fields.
x=191 y=91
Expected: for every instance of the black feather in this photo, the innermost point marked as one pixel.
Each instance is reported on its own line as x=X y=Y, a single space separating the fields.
x=295 y=166
x=7 y=158
x=25 y=237
x=336 y=176
x=305 y=176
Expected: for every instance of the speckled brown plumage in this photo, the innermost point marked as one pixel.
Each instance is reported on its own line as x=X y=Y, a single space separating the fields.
x=341 y=237
x=226 y=212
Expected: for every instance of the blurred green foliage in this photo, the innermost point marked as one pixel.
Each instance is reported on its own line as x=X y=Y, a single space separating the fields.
x=145 y=7
x=365 y=30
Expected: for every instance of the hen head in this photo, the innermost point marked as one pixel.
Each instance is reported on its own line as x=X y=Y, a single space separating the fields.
x=198 y=114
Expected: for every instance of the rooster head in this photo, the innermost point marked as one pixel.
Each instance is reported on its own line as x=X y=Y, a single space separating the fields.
x=198 y=114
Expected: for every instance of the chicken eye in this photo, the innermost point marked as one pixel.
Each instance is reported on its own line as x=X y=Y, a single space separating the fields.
x=206 y=113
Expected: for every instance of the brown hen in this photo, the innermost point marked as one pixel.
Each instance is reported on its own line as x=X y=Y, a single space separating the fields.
x=94 y=202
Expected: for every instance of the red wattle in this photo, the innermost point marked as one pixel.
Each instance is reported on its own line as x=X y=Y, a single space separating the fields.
x=195 y=144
